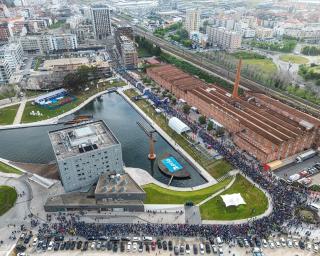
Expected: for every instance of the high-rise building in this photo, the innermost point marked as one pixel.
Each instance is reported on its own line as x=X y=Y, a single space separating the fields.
x=5 y=32
x=13 y=54
x=129 y=55
x=84 y=153
x=100 y=15
x=192 y=20
x=5 y=72
x=119 y=31
x=225 y=39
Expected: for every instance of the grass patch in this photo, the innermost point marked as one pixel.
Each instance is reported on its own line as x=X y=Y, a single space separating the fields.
x=8 y=169
x=8 y=197
x=143 y=53
x=49 y=113
x=56 y=25
x=294 y=59
x=8 y=114
x=265 y=65
x=159 y=195
x=211 y=165
x=256 y=203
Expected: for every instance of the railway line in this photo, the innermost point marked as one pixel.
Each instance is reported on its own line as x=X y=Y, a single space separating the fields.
x=228 y=76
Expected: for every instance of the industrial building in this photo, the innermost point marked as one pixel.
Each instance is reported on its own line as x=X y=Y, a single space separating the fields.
x=85 y=152
x=257 y=123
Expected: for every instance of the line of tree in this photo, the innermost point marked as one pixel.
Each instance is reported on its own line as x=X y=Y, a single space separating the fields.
x=143 y=43
x=311 y=50
x=160 y=32
x=310 y=72
x=283 y=46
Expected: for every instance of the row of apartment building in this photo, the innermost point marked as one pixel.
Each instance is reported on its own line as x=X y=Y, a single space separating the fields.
x=258 y=124
x=225 y=39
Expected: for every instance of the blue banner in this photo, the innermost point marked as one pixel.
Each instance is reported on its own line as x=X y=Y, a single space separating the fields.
x=171 y=164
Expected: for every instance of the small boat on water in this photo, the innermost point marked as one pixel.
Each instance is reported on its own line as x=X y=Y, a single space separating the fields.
x=79 y=119
x=170 y=166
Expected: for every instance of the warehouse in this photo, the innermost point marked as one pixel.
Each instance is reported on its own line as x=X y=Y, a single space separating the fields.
x=264 y=127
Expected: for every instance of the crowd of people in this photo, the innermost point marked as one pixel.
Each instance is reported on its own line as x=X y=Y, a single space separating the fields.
x=285 y=198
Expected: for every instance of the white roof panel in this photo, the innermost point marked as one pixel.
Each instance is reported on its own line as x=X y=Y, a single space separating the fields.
x=233 y=200
x=178 y=126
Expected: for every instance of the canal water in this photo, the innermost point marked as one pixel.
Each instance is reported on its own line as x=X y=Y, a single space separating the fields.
x=32 y=144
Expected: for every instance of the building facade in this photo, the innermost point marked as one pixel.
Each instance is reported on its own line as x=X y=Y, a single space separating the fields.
x=265 y=128
x=100 y=15
x=192 y=23
x=84 y=153
x=225 y=39
x=5 y=72
x=13 y=54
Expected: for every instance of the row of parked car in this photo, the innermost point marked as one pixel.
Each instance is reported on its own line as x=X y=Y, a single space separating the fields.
x=304 y=177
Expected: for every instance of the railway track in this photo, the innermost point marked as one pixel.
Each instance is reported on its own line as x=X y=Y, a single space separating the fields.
x=229 y=76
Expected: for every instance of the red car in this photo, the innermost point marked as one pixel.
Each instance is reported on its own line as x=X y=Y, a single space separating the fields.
x=303 y=173
x=153 y=245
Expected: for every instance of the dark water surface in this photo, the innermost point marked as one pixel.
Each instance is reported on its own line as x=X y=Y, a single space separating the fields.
x=33 y=145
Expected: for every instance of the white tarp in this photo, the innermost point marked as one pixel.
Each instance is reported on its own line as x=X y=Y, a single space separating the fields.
x=233 y=200
x=178 y=126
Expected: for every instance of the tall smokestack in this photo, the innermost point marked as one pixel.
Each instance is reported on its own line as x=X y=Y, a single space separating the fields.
x=237 y=80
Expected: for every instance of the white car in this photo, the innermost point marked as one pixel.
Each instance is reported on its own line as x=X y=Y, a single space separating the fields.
x=214 y=249
x=283 y=242
x=188 y=249
x=93 y=245
x=315 y=248
x=309 y=246
x=278 y=245
x=201 y=249
x=134 y=247
x=220 y=252
x=136 y=239
x=129 y=247
x=289 y=243
x=271 y=244
x=295 y=244
x=264 y=243
x=50 y=247
x=35 y=241
x=246 y=243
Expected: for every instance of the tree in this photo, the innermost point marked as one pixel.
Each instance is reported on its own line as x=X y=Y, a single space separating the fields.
x=174 y=100
x=210 y=126
x=186 y=109
x=202 y=119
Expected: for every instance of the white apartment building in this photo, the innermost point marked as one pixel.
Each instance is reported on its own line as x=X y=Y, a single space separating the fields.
x=264 y=33
x=227 y=23
x=192 y=23
x=225 y=39
x=5 y=72
x=100 y=15
x=48 y=43
x=13 y=54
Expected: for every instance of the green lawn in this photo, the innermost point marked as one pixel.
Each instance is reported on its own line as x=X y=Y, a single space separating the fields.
x=265 y=65
x=142 y=53
x=48 y=113
x=294 y=59
x=8 y=197
x=256 y=203
x=8 y=114
x=159 y=195
x=216 y=168
x=8 y=169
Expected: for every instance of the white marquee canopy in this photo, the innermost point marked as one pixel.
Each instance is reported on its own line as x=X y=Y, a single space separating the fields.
x=178 y=126
x=233 y=200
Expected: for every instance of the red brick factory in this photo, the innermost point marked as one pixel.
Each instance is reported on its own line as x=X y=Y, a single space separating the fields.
x=258 y=124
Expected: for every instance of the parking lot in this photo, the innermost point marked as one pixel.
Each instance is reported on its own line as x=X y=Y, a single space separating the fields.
x=167 y=246
x=293 y=168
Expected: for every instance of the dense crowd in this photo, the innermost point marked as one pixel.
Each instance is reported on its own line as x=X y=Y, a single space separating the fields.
x=284 y=198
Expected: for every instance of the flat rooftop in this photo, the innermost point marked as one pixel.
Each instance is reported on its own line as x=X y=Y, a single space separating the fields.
x=117 y=184
x=65 y=61
x=79 y=139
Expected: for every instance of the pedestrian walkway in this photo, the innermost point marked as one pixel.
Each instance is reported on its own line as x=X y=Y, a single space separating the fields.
x=219 y=192
x=18 y=117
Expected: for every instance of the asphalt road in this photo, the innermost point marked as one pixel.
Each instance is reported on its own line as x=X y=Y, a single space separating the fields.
x=294 y=168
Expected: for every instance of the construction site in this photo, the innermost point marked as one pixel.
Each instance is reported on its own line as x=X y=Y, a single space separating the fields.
x=258 y=124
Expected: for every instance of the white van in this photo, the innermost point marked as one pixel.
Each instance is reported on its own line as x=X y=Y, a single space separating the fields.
x=219 y=240
x=315 y=207
x=147 y=238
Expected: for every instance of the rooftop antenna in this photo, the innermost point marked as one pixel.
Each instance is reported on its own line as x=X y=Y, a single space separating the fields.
x=237 y=80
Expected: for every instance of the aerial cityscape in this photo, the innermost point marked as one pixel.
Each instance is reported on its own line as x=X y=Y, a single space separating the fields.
x=159 y=127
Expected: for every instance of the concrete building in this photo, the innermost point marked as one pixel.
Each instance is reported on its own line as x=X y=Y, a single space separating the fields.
x=5 y=32
x=63 y=42
x=5 y=72
x=85 y=152
x=13 y=54
x=112 y=193
x=264 y=127
x=225 y=39
x=100 y=15
x=192 y=20
x=129 y=55
x=264 y=33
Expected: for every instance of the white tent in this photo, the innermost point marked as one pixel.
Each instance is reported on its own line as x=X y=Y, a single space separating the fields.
x=178 y=126
x=233 y=200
